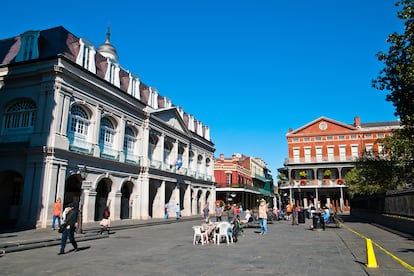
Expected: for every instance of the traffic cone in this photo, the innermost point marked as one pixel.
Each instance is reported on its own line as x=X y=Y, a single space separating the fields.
x=371 y=260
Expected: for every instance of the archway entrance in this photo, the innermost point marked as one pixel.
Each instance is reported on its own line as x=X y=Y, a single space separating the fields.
x=11 y=188
x=72 y=190
x=102 y=191
x=126 y=191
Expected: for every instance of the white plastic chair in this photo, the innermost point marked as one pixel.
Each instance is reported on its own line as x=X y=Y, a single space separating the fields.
x=199 y=234
x=224 y=231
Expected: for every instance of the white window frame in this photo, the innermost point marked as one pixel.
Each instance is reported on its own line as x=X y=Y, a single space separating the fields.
x=20 y=117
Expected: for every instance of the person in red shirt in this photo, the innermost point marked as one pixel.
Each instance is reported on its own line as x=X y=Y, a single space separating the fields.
x=57 y=207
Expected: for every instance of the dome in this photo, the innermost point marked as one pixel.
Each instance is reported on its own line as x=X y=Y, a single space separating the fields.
x=107 y=50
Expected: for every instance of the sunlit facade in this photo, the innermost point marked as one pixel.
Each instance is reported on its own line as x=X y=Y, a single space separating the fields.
x=76 y=125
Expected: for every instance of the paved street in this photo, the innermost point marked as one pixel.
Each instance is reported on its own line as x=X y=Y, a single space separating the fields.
x=167 y=249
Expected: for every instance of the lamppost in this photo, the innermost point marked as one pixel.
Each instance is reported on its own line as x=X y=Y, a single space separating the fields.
x=83 y=173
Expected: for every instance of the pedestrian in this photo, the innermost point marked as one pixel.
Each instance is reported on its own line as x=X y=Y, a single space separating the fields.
x=57 y=207
x=69 y=228
x=177 y=211
x=166 y=211
x=295 y=211
x=263 y=209
x=206 y=212
x=231 y=214
x=219 y=212
x=289 y=210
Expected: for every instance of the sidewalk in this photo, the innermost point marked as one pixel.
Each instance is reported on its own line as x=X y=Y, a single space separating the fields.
x=45 y=237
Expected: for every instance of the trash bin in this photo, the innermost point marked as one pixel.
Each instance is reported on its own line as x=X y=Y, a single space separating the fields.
x=301 y=216
x=317 y=221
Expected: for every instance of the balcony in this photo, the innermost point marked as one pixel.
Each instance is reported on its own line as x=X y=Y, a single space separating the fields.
x=324 y=159
x=312 y=183
x=132 y=159
x=81 y=146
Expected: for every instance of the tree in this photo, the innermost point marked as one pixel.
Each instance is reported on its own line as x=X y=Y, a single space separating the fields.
x=398 y=74
x=397 y=77
x=372 y=174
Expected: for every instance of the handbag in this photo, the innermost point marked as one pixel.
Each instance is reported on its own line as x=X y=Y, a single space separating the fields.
x=62 y=228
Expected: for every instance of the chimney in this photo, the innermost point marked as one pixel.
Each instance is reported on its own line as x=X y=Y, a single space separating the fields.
x=221 y=157
x=357 y=122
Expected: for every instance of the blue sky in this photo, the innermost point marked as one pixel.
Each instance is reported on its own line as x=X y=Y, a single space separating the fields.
x=248 y=69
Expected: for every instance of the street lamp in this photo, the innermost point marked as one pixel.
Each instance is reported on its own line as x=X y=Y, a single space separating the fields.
x=83 y=173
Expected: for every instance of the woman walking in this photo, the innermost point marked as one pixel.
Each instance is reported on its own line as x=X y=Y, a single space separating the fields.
x=263 y=216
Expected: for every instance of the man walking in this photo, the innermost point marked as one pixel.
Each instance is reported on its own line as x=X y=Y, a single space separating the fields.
x=69 y=228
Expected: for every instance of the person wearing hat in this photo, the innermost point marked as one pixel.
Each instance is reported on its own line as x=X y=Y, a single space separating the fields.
x=70 y=218
x=263 y=216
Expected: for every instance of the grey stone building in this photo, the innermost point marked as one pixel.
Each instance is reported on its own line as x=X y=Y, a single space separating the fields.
x=76 y=125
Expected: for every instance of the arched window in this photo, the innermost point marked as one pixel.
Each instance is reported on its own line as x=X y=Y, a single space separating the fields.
x=106 y=136
x=167 y=151
x=153 y=140
x=79 y=122
x=130 y=140
x=20 y=116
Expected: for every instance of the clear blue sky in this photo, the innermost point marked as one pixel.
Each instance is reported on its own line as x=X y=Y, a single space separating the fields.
x=248 y=69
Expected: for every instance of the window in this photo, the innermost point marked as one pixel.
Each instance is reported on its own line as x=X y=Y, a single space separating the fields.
x=228 y=179
x=368 y=136
x=20 y=117
x=329 y=138
x=342 y=153
x=331 y=156
x=295 y=140
x=306 y=139
x=133 y=87
x=112 y=73
x=318 y=154
x=106 y=135
x=353 y=136
x=369 y=149
x=130 y=140
x=380 y=135
x=79 y=121
x=354 y=151
x=153 y=140
x=380 y=149
x=86 y=55
x=296 y=155
x=307 y=154
x=29 y=47
x=318 y=139
x=168 y=146
x=341 y=137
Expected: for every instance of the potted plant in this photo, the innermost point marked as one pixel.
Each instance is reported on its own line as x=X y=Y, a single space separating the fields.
x=303 y=182
x=327 y=174
x=340 y=181
x=303 y=174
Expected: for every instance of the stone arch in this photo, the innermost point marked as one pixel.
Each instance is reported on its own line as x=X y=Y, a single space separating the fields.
x=103 y=188
x=126 y=191
x=72 y=192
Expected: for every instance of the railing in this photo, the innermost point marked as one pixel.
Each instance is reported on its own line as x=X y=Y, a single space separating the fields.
x=109 y=153
x=311 y=183
x=323 y=159
x=132 y=159
x=80 y=146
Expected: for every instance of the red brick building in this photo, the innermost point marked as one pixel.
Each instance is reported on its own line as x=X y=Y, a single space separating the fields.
x=243 y=180
x=321 y=153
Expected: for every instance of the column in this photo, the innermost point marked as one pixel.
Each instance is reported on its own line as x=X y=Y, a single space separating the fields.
x=186 y=205
x=159 y=201
x=89 y=198
x=121 y=138
x=95 y=129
